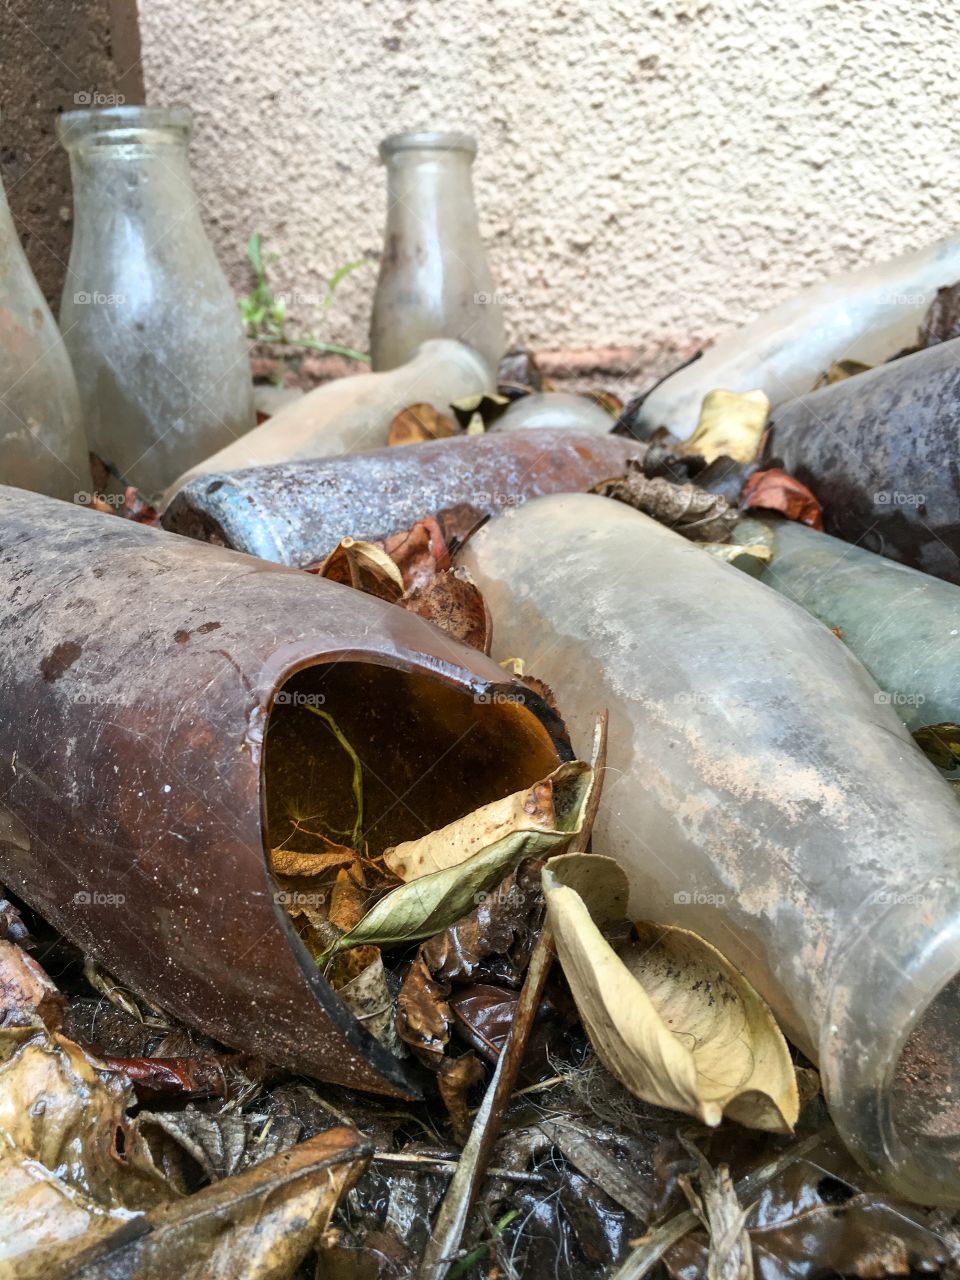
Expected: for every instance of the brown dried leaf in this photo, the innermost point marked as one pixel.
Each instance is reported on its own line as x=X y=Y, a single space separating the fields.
x=774 y=490
x=423 y=1015
x=685 y=508
x=368 y=998
x=26 y=992
x=839 y=371
x=420 y=422
x=363 y=565
x=715 y=1203
x=420 y=553
x=940 y=743
x=456 y=1078
x=288 y=862
x=262 y=1222
x=452 y=601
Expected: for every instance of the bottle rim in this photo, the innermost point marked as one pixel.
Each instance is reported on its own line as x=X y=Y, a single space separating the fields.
x=427 y=140
x=123 y=124
x=910 y=954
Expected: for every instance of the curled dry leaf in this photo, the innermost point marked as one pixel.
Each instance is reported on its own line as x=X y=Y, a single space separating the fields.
x=423 y=1014
x=456 y=1078
x=535 y=809
x=262 y=1222
x=713 y=1199
x=731 y=423
x=452 y=602
x=420 y=553
x=774 y=490
x=362 y=565
x=439 y=898
x=368 y=998
x=420 y=422
x=669 y=1017
x=685 y=508
x=839 y=371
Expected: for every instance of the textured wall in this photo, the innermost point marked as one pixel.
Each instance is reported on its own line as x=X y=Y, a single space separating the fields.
x=650 y=174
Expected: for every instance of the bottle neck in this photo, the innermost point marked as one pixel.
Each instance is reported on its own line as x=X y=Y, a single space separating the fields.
x=141 y=185
x=430 y=185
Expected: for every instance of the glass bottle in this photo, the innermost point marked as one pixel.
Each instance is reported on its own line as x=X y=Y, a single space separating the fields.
x=555 y=410
x=434 y=280
x=42 y=445
x=352 y=415
x=761 y=794
x=147 y=314
x=866 y=315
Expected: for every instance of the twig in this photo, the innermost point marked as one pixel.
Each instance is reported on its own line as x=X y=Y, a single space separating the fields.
x=444 y=1243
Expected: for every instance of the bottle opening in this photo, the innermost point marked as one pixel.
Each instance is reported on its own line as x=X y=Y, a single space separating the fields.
x=925 y=1095
x=98 y=126
x=427 y=140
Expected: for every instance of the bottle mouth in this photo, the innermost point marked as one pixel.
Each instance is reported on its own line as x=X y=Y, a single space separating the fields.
x=890 y=1053
x=427 y=140
x=107 y=126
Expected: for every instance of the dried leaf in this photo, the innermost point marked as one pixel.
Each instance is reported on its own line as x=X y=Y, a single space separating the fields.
x=942 y=321
x=423 y=1015
x=436 y=900
x=482 y=409
x=532 y=810
x=751 y=558
x=685 y=508
x=452 y=602
x=940 y=743
x=420 y=422
x=715 y=1203
x=498 y=934
x=730 y=423
x=670 y=1018
x=225 y=1143
x=288 y=862
x=262 y=1222
x=839 y=371
x=368 y=998
x=774 y=490
x=363 y=565
x=26 y=992
x=348 y=898
x=420 y=553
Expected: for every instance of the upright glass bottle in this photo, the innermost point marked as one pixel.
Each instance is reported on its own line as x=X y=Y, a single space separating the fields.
x=42 y=446
x=434 y=280
x=147 y=314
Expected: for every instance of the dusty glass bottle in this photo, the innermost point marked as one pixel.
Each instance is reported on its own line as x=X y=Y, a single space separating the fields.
x=434 y=280
x=147 y=314
x=762 y=795
x=42 y=445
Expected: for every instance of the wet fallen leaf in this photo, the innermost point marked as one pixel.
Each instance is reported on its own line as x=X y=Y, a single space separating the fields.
x=420 y=422
x=362 y=565
x=452 y=602
x=221 y=1144
x=940 y=743
x=685 y=508
x=668 y=1016
x=435 y=900
x=839 y=371
x=262 y=1222
x=26 y=992
x=731 y=422
x=72 y=1167
x=534 y=809
x=201 y=1076
x=455 y=1079
x=423 y=1014
x=774 y=490
x=808 y=1225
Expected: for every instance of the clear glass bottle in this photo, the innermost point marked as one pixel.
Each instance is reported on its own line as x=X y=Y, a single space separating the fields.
x=42 y=445
x=760 y=793
x=434 y=280
x=554 y=410
x=147 y=314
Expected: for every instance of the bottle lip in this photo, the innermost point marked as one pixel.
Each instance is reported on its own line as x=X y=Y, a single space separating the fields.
x=905 y=956
x=109 y=125
x=427 y=140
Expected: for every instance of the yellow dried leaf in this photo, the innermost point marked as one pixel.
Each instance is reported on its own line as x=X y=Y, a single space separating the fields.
x=731 y=424
x=669 y=1016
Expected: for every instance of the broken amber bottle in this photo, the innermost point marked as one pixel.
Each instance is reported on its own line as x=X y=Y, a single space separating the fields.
x=42 y=444
x=154 y=745
x=147 y=314
x=761 y=795
x=434 y=280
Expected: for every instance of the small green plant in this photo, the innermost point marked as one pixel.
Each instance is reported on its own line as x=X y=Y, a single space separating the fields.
x=265 y=315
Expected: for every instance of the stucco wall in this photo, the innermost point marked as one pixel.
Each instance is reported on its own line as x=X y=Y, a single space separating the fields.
x=650 y=174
